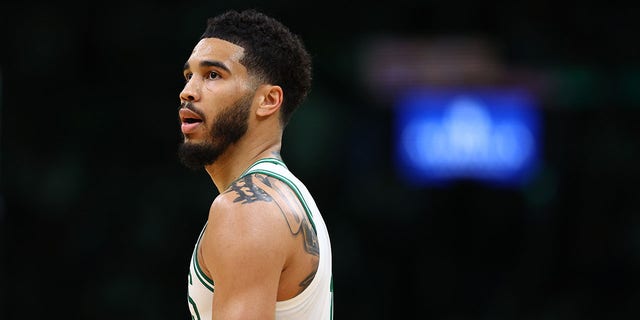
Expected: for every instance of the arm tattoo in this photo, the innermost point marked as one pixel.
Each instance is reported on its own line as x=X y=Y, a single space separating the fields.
x=294 y=220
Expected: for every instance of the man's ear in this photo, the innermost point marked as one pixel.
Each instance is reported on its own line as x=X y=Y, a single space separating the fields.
x=271 y=100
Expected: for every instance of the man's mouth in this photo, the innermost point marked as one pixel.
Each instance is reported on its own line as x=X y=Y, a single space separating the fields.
x=189 y=119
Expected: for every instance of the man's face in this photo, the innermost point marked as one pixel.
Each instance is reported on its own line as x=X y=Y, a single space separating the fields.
x=216 y=102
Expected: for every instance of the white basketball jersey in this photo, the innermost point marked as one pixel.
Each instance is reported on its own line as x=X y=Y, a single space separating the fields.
x=316 y=301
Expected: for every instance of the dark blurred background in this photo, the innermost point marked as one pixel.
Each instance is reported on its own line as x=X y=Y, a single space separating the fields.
x=98 y=219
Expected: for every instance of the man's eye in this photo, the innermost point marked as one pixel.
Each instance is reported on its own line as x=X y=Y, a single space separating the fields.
x=188 y=76
x=213 y=75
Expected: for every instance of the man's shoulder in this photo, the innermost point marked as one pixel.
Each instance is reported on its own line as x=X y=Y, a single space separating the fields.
x=249 y=197
x=247 y=221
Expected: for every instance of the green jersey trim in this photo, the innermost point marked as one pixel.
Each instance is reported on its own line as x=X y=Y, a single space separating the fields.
x=206 y=281
x=265 y=160
x=195 y=308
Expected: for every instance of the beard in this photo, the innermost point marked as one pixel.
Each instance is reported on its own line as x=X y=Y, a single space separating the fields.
x=227 y=128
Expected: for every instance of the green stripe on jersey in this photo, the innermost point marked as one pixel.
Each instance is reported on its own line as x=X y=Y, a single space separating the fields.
x=206 y=281
x=264 y=160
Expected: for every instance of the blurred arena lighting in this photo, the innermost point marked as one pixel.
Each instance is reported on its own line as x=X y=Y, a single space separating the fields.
x=491 y=135
x=391 y=65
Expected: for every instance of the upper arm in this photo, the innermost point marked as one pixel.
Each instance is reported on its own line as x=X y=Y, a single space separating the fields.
x=245 y=252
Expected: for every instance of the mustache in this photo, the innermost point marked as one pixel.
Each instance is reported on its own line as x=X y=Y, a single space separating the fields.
x=189 y=105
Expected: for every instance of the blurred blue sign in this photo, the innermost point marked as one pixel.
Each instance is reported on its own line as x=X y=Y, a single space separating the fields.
x=486 y=135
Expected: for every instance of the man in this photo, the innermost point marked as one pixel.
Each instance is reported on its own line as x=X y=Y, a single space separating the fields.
x=264 y=251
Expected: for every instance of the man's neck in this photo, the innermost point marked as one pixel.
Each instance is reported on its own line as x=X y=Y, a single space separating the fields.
x=236 y=159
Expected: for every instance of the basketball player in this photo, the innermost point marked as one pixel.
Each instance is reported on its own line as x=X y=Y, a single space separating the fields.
x=264 y=251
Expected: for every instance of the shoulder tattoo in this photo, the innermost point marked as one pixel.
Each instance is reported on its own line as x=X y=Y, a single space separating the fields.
x=247 y=191
x=260 y=187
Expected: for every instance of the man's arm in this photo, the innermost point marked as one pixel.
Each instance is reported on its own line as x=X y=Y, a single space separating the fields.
x=245 y=251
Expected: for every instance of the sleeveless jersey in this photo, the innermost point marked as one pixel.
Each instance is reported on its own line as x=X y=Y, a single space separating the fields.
x=316 y=301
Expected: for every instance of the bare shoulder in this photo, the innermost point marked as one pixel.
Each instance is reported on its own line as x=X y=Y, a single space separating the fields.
x=249 y=212
x=247 y=203
x=282 y=201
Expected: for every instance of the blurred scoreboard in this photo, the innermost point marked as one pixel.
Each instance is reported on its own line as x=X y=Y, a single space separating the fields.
x=488 y=135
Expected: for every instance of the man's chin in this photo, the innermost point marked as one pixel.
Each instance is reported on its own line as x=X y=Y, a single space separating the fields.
x=197 y=155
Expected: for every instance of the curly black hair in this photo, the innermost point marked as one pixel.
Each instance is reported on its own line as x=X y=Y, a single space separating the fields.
x=273 y=54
